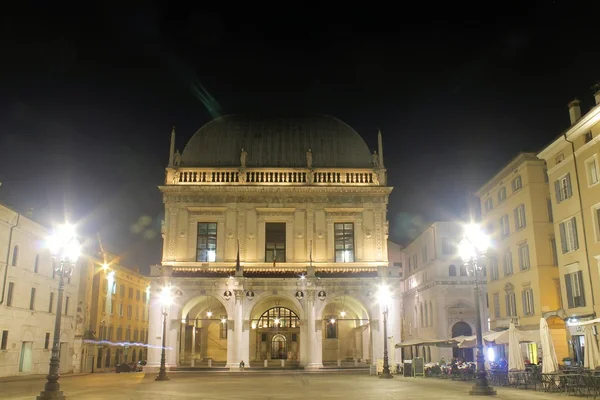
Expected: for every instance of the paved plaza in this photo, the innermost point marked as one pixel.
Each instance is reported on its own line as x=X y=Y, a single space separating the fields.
x=250 y=385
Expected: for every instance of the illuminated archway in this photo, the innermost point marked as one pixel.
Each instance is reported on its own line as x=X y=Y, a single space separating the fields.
x=275 y=322
x=204 y=331
x=346 y=330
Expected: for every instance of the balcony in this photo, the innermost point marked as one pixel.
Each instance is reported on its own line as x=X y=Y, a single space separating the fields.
x=274 y=176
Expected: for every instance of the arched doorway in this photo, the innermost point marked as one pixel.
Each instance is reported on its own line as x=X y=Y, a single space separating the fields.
x=277 y=334
x=204 y=331
x=560 y=336
x=279 y=347
x=462 y=329
x=346 y=331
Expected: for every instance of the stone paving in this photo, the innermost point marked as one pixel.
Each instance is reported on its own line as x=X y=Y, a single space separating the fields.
x=249 y=385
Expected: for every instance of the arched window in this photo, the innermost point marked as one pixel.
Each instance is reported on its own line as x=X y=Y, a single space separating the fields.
x=421 y=312
x=15 y=256
x=36 y=265
x=452 y=270
x=426 y=315
x=463 y=270
x=278 y=317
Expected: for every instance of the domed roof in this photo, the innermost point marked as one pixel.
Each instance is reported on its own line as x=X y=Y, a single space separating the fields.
x=274 y=141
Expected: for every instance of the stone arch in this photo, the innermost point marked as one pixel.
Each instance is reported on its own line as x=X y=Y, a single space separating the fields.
x=198 y=299
x=261 y=304
x=356 y=301
x=345 y=338
x=462 y=328
x=559 y=332
x=205 y=338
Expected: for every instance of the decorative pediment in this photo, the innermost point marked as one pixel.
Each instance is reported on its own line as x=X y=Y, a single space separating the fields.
x=460 y=306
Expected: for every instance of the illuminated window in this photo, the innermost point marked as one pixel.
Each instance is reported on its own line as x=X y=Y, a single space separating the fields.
x=278 y=317
x=332 y=331
x=344 y=242
x=275 y=242
x=207 y=242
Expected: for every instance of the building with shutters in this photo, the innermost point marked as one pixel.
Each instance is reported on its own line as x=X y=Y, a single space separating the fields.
x=574 y=175
x=522 y=264
x=119 y=312
x=275 y=244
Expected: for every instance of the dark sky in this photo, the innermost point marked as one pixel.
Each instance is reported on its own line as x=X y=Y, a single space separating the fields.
x=88 y=96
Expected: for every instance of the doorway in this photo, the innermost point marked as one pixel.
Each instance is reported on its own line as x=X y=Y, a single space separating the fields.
x=64 y=358
x=26 y=354
x=279 y=347
x=462 y=329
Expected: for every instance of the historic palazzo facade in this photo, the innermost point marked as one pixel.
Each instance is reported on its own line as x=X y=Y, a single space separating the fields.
x=275 y=243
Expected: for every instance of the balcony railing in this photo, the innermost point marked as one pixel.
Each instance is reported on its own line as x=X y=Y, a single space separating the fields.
x=272 y=176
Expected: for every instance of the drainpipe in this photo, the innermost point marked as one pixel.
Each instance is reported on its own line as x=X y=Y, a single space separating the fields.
x=587 y=255
x=10 y=234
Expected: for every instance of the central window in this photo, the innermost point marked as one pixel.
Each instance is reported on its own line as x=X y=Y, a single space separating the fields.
x=275 y=242
x=278 y=317
x=344 y=242
x=207 y=242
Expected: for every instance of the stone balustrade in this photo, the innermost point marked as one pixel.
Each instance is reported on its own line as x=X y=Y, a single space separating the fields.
x=275 y=176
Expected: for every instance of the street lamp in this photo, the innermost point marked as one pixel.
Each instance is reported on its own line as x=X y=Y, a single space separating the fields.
x=472 y=249
x=165 y=299
x=383 y=297
x=65 y=249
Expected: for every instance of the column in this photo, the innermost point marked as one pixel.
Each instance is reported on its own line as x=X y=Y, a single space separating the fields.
x=232 y=361
x=315 y=342
x=172 y=343
x=395 y=329
x=241 y=332
x=155 y=325
x=377 y=335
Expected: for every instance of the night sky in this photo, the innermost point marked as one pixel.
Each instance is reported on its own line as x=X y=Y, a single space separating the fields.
x=88 y=97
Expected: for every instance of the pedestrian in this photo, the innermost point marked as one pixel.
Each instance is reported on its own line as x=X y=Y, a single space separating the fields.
x=242 y=365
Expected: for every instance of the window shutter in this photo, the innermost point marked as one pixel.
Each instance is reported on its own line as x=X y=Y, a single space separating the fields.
x=569 y=290
x=507 y=305
x=523 y=214
x=516 y=212
x=581 y=288
x=569 y=191
x=557 y=191
x=524 y=300
x=532 y=307
x=563 y=237
x=574 y=222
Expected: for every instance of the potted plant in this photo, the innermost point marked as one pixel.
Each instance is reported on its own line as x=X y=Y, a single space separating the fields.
x=567 y=361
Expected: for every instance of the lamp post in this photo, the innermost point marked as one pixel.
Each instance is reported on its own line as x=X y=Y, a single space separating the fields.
x=165 y=299
x=472 y=249
x=65 y=250
x=383 y=296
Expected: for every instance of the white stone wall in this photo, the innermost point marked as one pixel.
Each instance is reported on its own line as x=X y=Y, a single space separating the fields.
x=25 y=325
x=434 y=301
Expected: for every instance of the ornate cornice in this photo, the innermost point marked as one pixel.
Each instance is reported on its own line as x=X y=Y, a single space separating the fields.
x=283 y=195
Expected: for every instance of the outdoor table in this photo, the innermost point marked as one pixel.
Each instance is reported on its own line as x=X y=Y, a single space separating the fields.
x=551 y=382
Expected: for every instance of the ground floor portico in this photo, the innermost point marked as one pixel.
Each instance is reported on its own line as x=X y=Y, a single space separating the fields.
x=299 y=321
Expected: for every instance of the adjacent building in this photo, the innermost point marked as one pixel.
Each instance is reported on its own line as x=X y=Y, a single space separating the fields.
x=28 y=300
x=574 y=175
x=118 y=315
x=438 y=294
x=522 y=263
x=275 y=245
